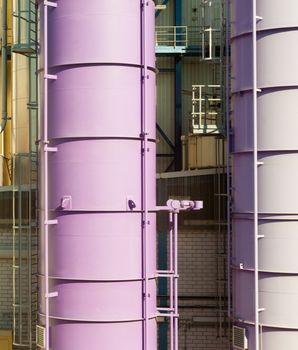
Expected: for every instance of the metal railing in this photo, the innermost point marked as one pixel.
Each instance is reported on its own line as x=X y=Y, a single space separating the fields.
x=173 y=36
x=211 y=38
x=206 y=109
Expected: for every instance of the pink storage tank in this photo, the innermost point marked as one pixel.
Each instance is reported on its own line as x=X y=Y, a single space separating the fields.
x=98 y=175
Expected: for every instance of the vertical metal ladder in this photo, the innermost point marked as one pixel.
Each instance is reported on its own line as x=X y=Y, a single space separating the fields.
x=221 y=243
x=24 y=251
x=24 y=189
x=171 y=311
x=222 y=184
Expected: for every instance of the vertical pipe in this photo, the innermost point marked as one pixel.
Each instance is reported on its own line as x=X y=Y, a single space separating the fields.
x=178 y=92
x=45 y=156
x=4 y=66
x=210 y=43
x=227 y=101
x=144 y=173
x=171 y=221
x=14 y=258
x=176 y=279
x=163 y=286
x=178 y=112
x=19 y=225
x=255 y=171
x=19 y=35
x=2 y=160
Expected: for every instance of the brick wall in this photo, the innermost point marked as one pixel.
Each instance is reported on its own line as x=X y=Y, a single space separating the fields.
x=199 y=324
x=5 y=277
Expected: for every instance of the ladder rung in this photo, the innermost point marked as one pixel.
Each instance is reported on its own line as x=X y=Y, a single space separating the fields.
x=165 y=271
x=167 y=315
x=165 y=309
x=166 y=275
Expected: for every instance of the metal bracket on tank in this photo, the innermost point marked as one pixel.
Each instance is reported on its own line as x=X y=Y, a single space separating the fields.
x=50 y=149
x=174 y=207
x=66 y=202
x=50 y=3
x=52 y=295
x=50 y=76
x=51 y=222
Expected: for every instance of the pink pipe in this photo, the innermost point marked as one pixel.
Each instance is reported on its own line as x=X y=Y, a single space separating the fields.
x=144 y=173
x=176 y=279
x=171 y=279
x=44 y=145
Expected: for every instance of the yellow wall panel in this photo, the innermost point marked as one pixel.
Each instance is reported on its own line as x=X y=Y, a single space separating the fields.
x=5 y=139
x=7 y=132
x=202 y=152
x=5 y=340
x=9 y=22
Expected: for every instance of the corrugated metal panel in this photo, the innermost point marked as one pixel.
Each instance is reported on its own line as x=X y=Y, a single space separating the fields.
x=205 y=151
x=195 y=72
x=5 y=138
x=20 y=126
x=165 y=109
x=166 y=17
x=192 y=13
x=165 y=62
x=197 y=15
x=19 y=103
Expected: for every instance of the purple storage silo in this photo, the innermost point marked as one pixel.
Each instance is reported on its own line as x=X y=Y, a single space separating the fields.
x=97 y=193
x=265 y=170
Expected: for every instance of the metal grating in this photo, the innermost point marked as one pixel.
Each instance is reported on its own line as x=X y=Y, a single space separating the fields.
x=239 y=338
x=40 y=337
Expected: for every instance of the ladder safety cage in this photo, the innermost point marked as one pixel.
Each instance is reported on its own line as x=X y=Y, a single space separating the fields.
x=25 y=27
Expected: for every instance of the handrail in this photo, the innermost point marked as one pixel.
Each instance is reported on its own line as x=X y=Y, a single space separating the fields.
x=200 y=103
x=171 y=36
